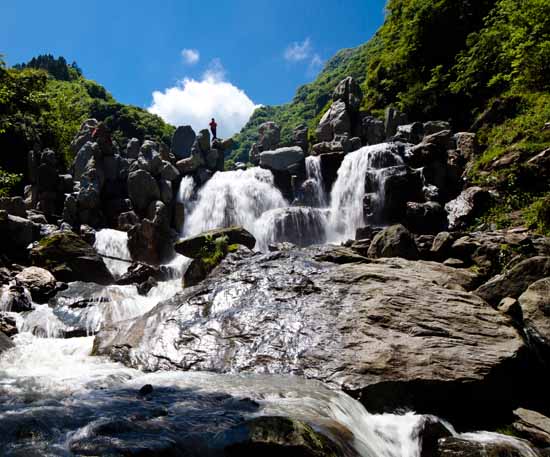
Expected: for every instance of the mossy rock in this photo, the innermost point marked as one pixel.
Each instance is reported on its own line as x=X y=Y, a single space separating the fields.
x=275 y=436
x=193 y=247
x=70 y=258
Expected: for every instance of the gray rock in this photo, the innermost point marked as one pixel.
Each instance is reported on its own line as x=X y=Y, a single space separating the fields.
x=533 y=426
x=411 y=133
x=466 y=143
x=429 y=217
x=69 y=258
x=299 y=137
x=435 y=126
x=515 y=281
x=203 y=140
x=269 y=136
x=166 y=192
x=535 y=307
x=467 y=206
x=16 y=299
x=335 y=121
x=84 y=135
x=169 y=172
x=5 y=343
x=389 y=332
x=394 y=241
x=40 y=282
x=203 y=175
x=142 y=189
x=190 y=165
x=280 y=159
x=393 y=119
x=14 y=206
x=88 y=151
x=16 y=234
x=132 y=148
x=182 y=140
x=192 y=246
x=127 y=220
x=372 y=130
x=349 y=91
x=463 y=447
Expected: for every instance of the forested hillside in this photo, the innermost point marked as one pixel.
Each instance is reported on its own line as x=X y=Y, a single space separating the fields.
x=483 y=65
x=43 y=103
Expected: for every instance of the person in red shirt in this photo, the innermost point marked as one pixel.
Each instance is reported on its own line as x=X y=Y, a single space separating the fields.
x=213 y=128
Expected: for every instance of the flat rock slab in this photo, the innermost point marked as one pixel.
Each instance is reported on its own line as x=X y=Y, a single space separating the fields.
x=392 y=332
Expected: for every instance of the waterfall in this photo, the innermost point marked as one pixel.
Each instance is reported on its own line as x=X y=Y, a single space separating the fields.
x=299 y=225
x=234 y=198
x=186 y=189
x=315 y=181
x=362 y=171
x=113 y=243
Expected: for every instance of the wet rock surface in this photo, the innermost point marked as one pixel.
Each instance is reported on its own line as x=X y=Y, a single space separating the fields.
x=192 y=246
x=69 y=258
x=391 y=332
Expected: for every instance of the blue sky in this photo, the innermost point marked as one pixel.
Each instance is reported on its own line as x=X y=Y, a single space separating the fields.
x=246 y=52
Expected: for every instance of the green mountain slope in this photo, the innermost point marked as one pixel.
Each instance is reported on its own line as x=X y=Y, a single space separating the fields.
x=43 y=103
x=481 y=64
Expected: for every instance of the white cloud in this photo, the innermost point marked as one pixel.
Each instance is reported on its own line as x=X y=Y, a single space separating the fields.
x=315 y=65
x=196 y=102
x=190 y=56
x=298 y=51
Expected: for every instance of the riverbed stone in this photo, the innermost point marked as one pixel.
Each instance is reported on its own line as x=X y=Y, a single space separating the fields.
x=40 y=282
x=280 y=159
x=192 y=246
x=391 y=332
x=69 y=258
x=394 y=241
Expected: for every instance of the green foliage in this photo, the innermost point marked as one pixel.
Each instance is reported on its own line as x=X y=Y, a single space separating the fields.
x=537 y=215
x=8 y=181
x=44 y=102
x=214 y=251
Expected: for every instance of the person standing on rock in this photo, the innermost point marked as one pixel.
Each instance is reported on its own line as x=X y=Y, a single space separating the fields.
x=213 y=128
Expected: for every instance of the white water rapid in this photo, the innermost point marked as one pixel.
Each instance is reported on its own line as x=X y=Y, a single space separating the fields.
x=234 y=198
x=315 y=178
x=347 y=196
x=113 y=243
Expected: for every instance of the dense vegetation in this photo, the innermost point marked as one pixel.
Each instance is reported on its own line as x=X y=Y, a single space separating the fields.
x=482 y=64
x=44 y=102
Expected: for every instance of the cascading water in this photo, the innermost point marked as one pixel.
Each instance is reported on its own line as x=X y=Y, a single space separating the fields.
x=361 y=171
x=114 y=244
x=234 y=198
x=315 y=181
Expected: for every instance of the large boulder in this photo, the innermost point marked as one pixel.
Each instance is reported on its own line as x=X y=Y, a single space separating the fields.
x=486 y=446
x=182 y=140
x=429 y=217
x=467 y=206
x=192 y=246
x=40 y=282
x=391 y=332
x=69 y=258
x=334 y=122
x=513 y=282
x=280 y=159
x=533 y=426
x=394 y=241
x=349 y=91
x=535 y=307
x=269 y=136
x=16 y=234
x=142 y=189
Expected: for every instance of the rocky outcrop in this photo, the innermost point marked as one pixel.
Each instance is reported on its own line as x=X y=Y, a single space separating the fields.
x=16 y=234
x=514 y=282
x=269 y=137
x=142 y=189
x=394 y=241
x=182 y=141
x=192 y=246
x=467 y=206
x=40 y=282
x=15 y=298
x=533 y=426
x=69 y=258
x=391 y=332
x=281 y=159
x=535 y=310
